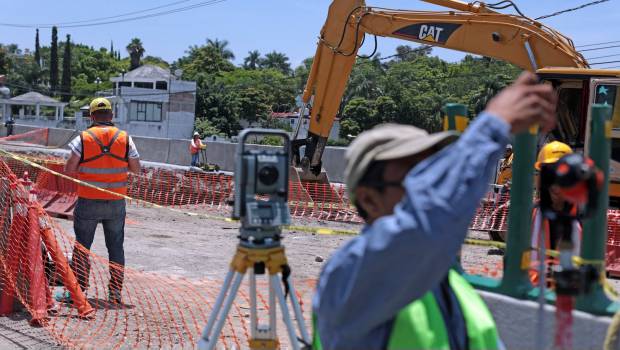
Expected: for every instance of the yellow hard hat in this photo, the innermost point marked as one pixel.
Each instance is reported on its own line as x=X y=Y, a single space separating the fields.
x=100 y=104
x=552 y=152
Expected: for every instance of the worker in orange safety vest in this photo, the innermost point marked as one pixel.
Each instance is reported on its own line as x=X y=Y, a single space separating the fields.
x=549 y=154
x=101 y=156
x=194 y=148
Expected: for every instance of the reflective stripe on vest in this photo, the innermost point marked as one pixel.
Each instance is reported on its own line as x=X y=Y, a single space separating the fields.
x=420 y=324
x=103 y=162
x=86 y=170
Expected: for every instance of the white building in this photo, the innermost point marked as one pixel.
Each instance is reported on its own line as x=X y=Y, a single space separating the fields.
x=150 y=101
x=32 y=108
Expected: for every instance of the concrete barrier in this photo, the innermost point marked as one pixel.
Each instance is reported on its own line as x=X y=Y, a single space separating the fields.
x=175 y=151
x=517 y=323
x=61 y=137
x=152 y=149
x=178 y=152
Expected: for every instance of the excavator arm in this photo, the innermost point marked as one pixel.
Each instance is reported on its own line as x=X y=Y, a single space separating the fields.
x=466 y=27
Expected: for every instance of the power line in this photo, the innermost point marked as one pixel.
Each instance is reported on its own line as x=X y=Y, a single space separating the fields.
x=600 y=48
x=597 y=44
x=571 y=9
x=44 y=25
x=594 y=58
x=595 y=63
x=156 y=14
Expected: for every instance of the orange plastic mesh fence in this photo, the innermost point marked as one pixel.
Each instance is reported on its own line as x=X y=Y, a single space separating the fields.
x=155 y=311
x=34 y=137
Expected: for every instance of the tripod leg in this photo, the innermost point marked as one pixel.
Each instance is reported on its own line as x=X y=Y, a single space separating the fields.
x=298 y=314
x=272 y=308
x=253 y=318
x=218 y=305
x=209 y=343
x=285 y=313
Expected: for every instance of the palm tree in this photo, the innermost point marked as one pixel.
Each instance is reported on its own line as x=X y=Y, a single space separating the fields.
x=252 y=61
x=276 y=60
x=136 y=51
x=222 y=47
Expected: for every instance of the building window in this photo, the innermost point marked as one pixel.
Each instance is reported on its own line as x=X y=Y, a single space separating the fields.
x=161 y=85
x=139 y=84
x=145 y=111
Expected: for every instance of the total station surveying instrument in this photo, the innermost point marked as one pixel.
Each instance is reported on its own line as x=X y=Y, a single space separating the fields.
x=261 y=195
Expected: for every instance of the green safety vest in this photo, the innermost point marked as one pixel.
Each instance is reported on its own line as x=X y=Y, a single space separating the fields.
x=420 y=324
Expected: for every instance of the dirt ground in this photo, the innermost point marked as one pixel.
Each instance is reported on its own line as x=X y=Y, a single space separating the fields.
x=161 y=242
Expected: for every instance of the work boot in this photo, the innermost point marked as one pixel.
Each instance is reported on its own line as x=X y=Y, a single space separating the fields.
x=114 y=297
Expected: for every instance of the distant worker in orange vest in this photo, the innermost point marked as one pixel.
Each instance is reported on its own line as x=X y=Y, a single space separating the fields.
x=194 y=147
x=101 y=156
x=549 y=154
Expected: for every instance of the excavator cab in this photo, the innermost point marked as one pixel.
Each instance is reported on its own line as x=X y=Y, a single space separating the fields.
x=578 y=89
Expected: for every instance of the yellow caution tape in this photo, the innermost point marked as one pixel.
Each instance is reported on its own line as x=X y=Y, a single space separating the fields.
x=317 y=230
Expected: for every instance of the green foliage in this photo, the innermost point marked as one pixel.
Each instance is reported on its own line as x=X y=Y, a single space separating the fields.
x=155 y=61
x=205 y=128
x=276 y=60
x=252 y=61
x=65 y=85
x=271 y=141
x=4 y=60
x=221 y=46
x=203 y=60
x=253 y=104
x=54 y=60
x=274 y=123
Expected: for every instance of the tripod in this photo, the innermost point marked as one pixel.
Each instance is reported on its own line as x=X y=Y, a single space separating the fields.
x=257 y=258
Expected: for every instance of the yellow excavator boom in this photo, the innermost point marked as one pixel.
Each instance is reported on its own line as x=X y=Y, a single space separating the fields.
x=466 y=27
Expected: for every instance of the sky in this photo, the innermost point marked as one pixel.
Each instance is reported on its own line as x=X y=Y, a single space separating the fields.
x=288 y=26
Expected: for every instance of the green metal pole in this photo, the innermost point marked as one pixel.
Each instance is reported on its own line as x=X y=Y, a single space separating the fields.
x=452 y=112
x=595 y=228
x=515 y=281
x=455 y=117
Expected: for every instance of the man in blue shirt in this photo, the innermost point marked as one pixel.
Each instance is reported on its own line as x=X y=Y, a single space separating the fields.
x=417 y=194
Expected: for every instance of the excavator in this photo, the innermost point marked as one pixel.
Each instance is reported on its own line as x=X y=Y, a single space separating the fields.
x=475 y=28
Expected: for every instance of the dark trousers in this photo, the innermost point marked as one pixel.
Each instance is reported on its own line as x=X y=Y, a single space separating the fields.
x=88 y=213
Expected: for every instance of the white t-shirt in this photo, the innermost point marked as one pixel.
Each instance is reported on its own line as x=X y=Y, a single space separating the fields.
x=76 y=147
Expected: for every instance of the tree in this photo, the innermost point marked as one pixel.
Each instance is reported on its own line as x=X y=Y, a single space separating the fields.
x=386 y=109
x=490 y=87
x=4 y=61
x=136 y=51
x=203 y=60
x=349 y=128
x=408 y=53
x=65 y=86
x=37 y=49
x=157 y=61
x=221 y=46
x=54 y=61
x=360 y=112
x=278 y=61
x=253 y=105
x=112 y=53
x=205 y=128
x=252 y=61
x=302 y=72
